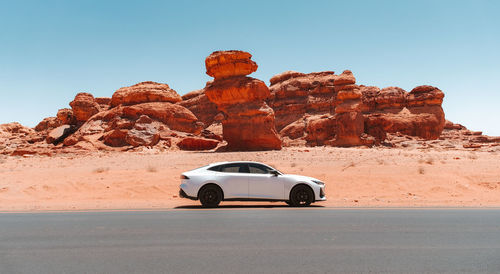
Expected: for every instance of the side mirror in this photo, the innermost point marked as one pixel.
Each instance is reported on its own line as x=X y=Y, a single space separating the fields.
x=275 y=172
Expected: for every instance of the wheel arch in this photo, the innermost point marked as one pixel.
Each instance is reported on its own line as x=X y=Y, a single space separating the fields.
x=302 y=184
x=209 y=184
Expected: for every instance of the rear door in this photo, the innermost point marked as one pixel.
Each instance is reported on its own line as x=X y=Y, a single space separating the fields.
x=233 y=179
x=263 y=185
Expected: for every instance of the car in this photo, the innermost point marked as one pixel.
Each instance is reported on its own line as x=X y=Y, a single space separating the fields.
x=248 y=181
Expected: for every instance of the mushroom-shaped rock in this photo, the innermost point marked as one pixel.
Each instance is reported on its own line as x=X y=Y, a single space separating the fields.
x=144 y=92
x=249 y=121
x=224 y=64
x=84 y=106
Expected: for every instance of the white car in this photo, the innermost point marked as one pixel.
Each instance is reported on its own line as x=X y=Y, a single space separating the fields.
x=248 y=181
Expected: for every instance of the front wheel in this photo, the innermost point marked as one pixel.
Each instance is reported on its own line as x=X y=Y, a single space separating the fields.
x=301 y=195
x=210 y=196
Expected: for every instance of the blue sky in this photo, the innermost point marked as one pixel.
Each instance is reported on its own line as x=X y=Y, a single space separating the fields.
x=51 y=50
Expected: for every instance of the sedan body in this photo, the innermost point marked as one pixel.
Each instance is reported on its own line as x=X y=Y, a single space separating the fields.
x=249 y=181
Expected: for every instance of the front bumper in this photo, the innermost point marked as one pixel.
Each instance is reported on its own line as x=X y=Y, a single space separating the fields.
x=322 y=196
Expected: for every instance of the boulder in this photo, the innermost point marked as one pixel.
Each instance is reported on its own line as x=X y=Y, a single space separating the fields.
x=58 y=134
x=84 y=106
x=48 y=124
x=66 y=116
x=223 y=64
x=197 y=143
x=144 y=92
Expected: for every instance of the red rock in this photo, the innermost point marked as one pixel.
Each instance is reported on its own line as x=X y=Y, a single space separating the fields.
x=236 y=90
x=84 y=106
x=295 y=94
x=176 y=117
x=197 y=143
x=346 y=78
x=391 y=98
x=48 y=124
x=368 y=97
x=198 y=103
x=320 y=129
x=224 y=64
x=115 y=138
x=66 y=117
x=294 y=130
x=249 y=121
x=104 y=102
x=144 y=92
x=143 y=135
x=452 y=126
x=425 y=96
x=211 y=135
x=349 y=128
x=424 y=125
x=285 y=76
x=58 y=134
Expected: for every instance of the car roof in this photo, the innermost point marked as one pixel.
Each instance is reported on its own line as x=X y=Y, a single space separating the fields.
x=236 y=162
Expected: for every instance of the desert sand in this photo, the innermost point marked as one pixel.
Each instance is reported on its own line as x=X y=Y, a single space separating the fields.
x=354 y=177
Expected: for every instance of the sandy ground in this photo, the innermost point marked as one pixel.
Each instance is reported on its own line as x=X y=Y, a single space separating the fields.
x=355 y=177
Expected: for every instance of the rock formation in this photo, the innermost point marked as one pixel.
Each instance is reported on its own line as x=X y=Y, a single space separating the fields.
x=144 y=92
x=249 y=121
x=314 y=109
x=198 y=103
x=84 y=106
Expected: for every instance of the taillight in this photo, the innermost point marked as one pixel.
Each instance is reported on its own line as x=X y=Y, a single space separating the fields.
x=184 y=177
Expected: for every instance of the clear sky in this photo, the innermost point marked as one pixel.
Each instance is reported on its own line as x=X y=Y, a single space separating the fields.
x=51 y=50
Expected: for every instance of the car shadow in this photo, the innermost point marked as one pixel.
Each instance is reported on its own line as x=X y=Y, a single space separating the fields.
x=244 y=206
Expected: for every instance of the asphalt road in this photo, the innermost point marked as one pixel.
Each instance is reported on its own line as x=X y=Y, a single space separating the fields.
x=269 y=240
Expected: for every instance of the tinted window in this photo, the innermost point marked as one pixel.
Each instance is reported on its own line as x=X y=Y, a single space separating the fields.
x=259 y=169
x=215 y=168
x=234 y=168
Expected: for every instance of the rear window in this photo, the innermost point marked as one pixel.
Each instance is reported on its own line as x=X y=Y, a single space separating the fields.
x=231 y=168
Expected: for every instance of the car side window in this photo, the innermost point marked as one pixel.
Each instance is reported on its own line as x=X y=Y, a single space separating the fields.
x=215 y=168
x=235 y=168
x=258 y=169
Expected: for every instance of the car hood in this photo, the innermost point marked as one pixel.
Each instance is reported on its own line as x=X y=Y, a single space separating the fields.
x=299 y=177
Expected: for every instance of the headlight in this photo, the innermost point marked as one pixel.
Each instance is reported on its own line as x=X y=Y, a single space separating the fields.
x=318 y=182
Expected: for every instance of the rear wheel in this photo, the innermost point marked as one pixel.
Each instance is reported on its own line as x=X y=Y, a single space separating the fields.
x=210 y=196
x=301 y=195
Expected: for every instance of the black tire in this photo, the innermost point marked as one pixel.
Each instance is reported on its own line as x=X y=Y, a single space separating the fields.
x=210 y=196
x=301 y=195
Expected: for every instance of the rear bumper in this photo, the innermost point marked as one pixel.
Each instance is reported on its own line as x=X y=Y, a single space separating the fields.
x=184 y=195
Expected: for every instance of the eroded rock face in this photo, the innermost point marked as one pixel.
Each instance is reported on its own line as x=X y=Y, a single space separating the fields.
x=224 y=64
x=391 y=110
x=198 y=103
x=249 y=121
x=84 y=106
x=144 y=92
x=294 y=94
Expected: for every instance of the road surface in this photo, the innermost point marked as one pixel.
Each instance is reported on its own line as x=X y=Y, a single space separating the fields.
x=254 y=240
